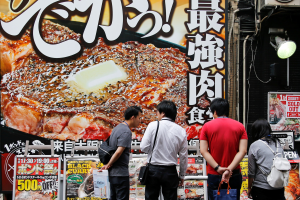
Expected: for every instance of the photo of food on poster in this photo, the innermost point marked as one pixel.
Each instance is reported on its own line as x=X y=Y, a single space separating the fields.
x=69 y=69
x=36 y=178
x=278 y=108
x=79 y=178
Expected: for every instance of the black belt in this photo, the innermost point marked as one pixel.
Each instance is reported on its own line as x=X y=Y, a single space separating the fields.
x=163 y=166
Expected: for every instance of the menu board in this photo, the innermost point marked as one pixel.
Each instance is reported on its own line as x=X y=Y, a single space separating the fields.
x=78 y=177
x=137 y=192
x=283 y=112
x=36 y=177
x=194 y=189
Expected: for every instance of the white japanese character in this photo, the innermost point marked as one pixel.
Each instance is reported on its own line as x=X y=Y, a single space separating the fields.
x=196 y=116
x=204 y=16
x=200 y=84
x=58 y=145
x=143 y=7
x=207 y=52
x=68 y=145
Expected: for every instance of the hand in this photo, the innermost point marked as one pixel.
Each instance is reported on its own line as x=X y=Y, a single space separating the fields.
x=181 y=181
x=226 y=176
x=249 y=193
x=105 y=167
x=221 y=170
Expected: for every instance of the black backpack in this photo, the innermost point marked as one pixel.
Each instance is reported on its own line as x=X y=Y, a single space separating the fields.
x=105 y=151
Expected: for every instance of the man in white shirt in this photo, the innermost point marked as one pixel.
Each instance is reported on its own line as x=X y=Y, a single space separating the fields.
x=171 y=139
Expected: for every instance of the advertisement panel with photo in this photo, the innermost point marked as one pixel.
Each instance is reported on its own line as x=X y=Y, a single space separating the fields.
x=69 y=69
x=278 y=108
x=79 y=178
x=36 y=177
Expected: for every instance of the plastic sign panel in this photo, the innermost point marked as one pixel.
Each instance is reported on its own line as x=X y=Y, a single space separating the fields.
x=37 y=177
x=79 y=179
x=286 y=139
x=293 y=106
x=282 y=112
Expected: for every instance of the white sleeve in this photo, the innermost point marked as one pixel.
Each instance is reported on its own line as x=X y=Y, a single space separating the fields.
x=183 y=156
x=146 y=140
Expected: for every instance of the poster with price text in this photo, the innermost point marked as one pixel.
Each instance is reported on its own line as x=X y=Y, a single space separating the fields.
x=79 y=178
x=36 y=177
x=282 y=112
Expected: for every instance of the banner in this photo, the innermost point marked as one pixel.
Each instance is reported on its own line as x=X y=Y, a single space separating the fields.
x=69 y=69
x=36 y=177
x=278 y=108
x=78 y=177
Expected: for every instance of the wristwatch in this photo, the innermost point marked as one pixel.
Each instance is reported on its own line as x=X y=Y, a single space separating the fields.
x=217 y=167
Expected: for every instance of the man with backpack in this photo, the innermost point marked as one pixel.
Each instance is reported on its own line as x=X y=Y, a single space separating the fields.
x=117 y=166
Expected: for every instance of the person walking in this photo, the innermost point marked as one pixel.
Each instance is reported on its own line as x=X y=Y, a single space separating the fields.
x=117 y=167
x=171 y=139
x=260 y=156
x=223 y=143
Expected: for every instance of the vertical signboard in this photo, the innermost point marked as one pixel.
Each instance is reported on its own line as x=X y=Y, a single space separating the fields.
x=283 y=112
x=36 y=177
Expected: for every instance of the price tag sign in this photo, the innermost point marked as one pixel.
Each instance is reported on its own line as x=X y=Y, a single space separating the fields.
x=36 y=177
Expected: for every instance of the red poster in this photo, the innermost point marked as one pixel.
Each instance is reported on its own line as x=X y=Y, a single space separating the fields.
x=36 y=177
x=293 y=106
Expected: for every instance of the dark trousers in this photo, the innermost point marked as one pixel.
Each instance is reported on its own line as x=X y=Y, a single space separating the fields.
x=164 y=177
x=213 y=182
x=119 y=187
x=263 y=194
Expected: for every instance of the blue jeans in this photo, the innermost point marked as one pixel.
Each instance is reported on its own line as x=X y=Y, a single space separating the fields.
x=213 y=182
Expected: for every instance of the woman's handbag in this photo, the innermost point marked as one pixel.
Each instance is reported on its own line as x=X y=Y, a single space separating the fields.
x=144 y=170
x=225 y=194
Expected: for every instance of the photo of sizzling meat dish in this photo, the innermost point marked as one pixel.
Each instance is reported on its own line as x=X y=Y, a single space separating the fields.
x=36 y=98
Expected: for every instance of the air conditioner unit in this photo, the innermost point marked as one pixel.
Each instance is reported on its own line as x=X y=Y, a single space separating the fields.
x=267 y=4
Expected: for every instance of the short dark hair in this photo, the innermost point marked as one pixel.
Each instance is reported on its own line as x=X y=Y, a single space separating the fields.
x=132 y=111
x=169 y=108
x=221 y=106
x=261 y=128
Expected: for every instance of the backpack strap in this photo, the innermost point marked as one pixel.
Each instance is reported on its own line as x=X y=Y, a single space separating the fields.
x=270 y=147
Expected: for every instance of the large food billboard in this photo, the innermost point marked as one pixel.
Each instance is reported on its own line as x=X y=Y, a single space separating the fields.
x=70 y=68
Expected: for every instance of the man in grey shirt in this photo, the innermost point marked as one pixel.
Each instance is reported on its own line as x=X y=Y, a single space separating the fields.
x=120 y=138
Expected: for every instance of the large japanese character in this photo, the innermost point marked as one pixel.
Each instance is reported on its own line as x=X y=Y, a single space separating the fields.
x=22 y=169
x=80 y=143
x=196 y=116
x=201 y=84
x=205 y=16
x=68 y=145
x=58 y=145
x=15 y=26
x=69 y=47
x=142 y=6
x=207 y=51
x=50 y=169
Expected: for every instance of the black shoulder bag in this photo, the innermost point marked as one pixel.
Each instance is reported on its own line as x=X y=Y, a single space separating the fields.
x=105 y=151
x=144 y=170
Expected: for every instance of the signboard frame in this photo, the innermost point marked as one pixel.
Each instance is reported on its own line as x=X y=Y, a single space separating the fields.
x=38 y=156
x=288 y=133
x=65 y=167
x=283 y=123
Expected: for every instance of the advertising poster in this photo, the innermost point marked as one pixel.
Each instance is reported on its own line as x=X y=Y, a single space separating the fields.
x=79 y=179
x=292 y=191
x=194 y=189
x=36 y=177
x=70 y=68
x=137 y=191
x=244 y=171
x=278 y=107
x=293 y=106
x=286 y=139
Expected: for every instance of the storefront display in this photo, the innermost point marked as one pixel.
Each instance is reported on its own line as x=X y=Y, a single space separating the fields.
x=37 y=177
x=279 y=104
x=79 y=180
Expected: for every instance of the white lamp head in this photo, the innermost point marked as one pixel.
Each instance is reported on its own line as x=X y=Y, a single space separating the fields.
x=285 y=49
